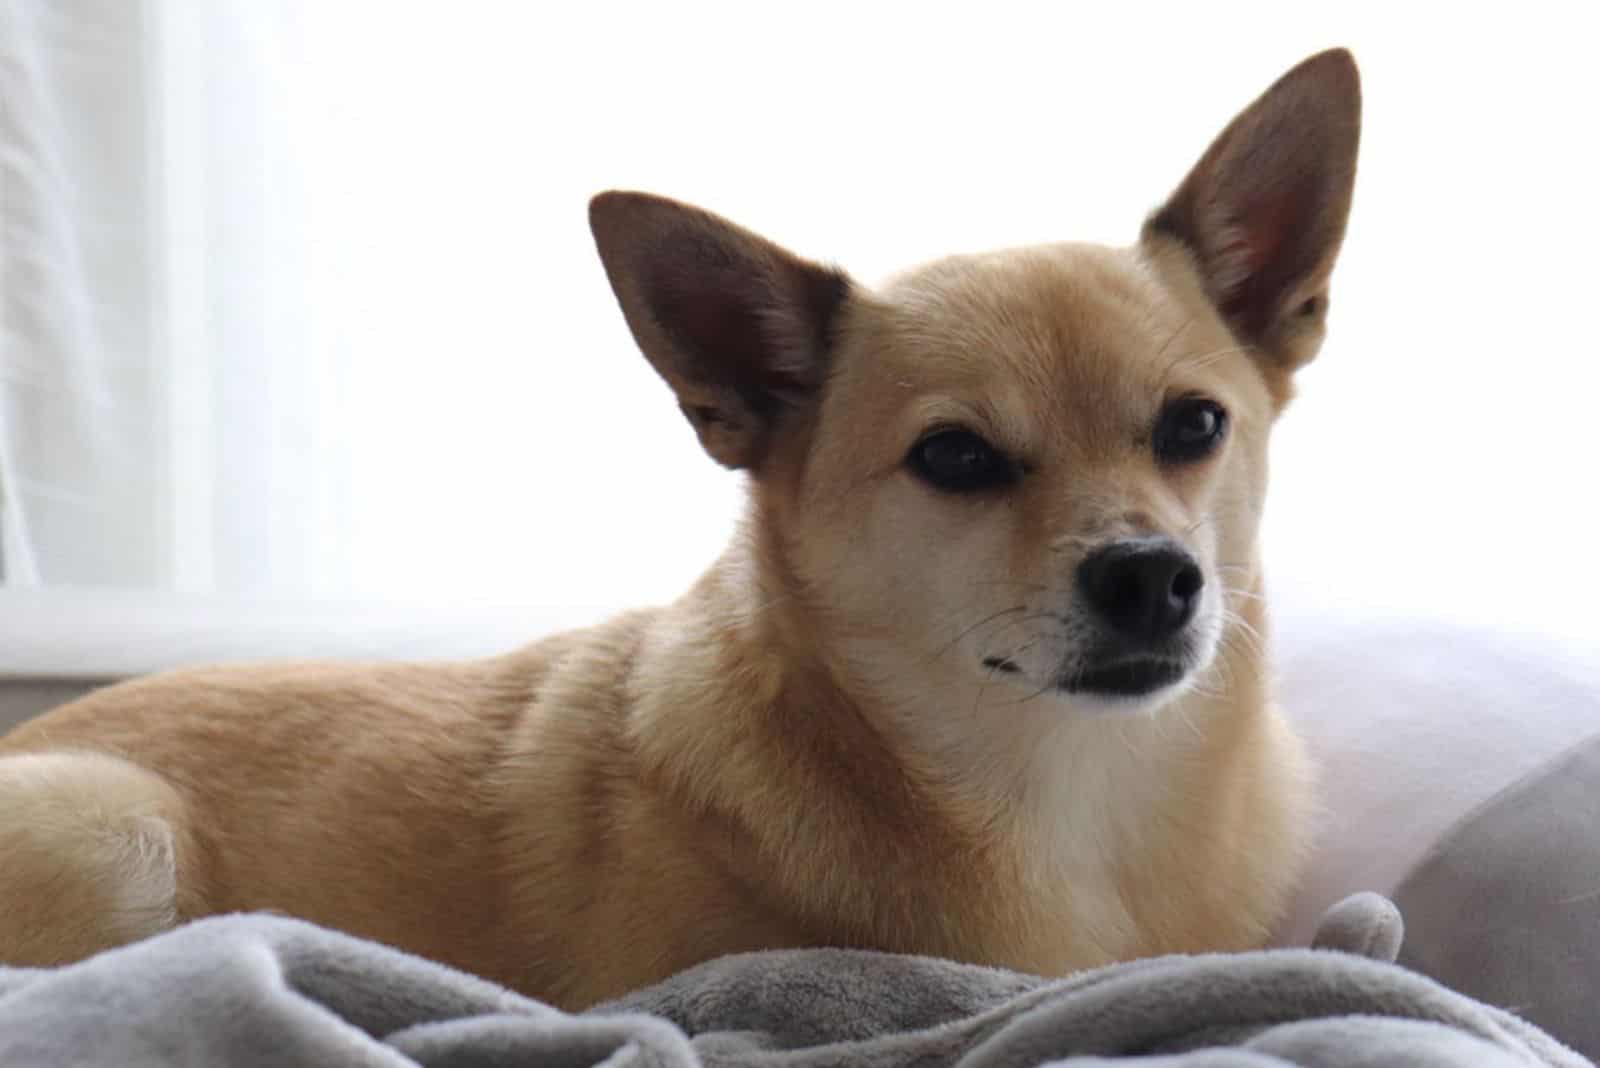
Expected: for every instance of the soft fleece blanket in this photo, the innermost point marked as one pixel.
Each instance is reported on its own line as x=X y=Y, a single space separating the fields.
x=258 y=990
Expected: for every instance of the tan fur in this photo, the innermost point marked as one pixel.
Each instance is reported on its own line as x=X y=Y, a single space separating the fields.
x=805 y=749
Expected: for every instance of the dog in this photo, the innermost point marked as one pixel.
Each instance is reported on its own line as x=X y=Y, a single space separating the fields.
x=981 y=675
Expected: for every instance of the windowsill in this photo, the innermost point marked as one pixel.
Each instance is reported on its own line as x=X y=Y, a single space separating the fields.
x=108 y=634
x=96 y=634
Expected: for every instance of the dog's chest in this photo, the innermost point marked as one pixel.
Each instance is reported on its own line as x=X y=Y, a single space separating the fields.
x=1097 y=856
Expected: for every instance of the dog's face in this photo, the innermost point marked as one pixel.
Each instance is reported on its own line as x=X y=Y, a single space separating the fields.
x=1043 y=468
x=1035 y=473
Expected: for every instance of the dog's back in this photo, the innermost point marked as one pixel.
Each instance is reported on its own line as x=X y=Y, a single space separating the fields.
x=344 y=794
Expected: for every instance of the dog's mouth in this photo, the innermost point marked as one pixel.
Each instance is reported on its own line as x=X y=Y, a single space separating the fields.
x=1126 y=678
x=1001 y=665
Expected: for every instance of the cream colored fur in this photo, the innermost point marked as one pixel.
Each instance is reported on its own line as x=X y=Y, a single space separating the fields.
x=815 y=744
x=87 y=842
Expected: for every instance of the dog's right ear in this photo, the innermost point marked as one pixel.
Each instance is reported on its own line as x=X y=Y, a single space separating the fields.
x=740 y=328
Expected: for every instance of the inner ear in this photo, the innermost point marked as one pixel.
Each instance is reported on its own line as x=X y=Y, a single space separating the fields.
x=758 y=328
x=741 y=329
x=1264 y=210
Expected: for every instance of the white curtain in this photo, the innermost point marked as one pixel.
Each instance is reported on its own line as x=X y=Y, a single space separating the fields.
x=257 y=462
x=77 y=441
x=299 y=300
x=167 y=393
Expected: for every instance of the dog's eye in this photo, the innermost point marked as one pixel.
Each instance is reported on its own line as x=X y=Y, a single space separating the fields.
x=1189 y=428
x=959 y=461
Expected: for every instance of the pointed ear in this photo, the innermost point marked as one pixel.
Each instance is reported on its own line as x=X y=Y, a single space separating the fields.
x=739 y=328
x=1263 y=212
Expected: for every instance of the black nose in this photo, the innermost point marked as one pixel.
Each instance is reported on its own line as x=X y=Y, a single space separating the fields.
x=1146 y=588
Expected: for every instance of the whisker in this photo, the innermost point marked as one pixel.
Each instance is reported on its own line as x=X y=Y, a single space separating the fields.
x=1122 y=736
x=1239 y=629
x=1040 y=692
x=1186 y=715
x=953 y=642
x=1198 y=362
x=977 y=698
x=1254 y=645
x=1167 y=344
x=1230 y=616
x=1026 y=647
x=1031 y=587
x=1024 y=621
x=766 y=606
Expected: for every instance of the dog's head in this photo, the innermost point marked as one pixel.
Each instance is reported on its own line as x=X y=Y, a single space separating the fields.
x=1037 y=471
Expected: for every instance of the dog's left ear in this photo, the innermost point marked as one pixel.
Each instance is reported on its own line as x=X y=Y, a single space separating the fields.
x=740 y=328
x=1263 y=212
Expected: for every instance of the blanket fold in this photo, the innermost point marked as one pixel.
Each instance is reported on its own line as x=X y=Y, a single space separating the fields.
x=253 y=991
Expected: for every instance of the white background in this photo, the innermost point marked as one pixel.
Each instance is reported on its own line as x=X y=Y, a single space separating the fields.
x=499 y=439
x=1443 y=447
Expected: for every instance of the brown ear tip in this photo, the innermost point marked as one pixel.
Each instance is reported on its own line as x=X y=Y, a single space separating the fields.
x=616 y=206
x=1340 y=57
x=1336 y=67
x=607 y=208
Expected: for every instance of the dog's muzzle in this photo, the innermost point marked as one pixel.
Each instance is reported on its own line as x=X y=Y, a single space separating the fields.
x=1143 y=593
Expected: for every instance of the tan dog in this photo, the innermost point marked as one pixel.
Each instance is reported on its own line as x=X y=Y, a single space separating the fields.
x=980 y=676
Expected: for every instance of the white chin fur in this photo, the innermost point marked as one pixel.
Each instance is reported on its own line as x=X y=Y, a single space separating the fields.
x=1113 y=704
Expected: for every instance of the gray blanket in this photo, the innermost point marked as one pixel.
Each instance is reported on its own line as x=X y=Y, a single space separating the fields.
x=258 y=991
